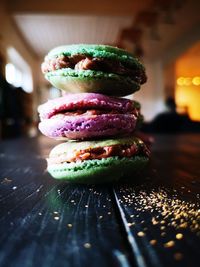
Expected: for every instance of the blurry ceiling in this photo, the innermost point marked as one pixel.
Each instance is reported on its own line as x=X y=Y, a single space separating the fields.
x=93 y=7
x=43 y=32
x=151 y=27
x=48 y=23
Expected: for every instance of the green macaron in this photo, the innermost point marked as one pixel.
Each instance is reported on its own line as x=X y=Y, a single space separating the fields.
x=94 y=68
x=99 y=161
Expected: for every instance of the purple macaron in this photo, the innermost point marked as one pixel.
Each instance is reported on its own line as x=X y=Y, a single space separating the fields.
x=87 y=116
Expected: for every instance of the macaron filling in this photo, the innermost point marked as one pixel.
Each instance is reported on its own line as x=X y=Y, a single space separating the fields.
x=82 y=62
x=98 y=161
x=119 y=150
x=87 y=104
x=90 y=113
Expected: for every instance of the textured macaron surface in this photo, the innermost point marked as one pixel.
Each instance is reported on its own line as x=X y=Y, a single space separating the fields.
x=97 y=161
x=93 y=50
x=99 y=171
x=88 y=127
x=93 y=68
x=90 y=81
x=86 y=116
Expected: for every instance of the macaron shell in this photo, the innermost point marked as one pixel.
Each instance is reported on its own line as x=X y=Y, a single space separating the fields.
x=87 y=127
x=92 y=82
x=94 y=50
x=71 y=102
x=99 y=171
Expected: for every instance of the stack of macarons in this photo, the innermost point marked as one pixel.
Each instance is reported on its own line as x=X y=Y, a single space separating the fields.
x=93 y=119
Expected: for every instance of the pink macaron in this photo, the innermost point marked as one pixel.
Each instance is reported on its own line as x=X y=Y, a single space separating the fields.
x=88 y=116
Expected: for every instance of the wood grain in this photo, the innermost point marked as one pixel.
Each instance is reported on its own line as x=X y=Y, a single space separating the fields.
x=152 y=220
x=161 y=212
x=47 y=223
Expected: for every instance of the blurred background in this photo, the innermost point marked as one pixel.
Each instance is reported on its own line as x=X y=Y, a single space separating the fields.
x=164 y=34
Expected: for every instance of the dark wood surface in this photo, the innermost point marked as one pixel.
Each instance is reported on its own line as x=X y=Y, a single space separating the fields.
x=153 y=220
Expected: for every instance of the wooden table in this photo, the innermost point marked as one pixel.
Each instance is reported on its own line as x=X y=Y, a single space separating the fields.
x=153 y=221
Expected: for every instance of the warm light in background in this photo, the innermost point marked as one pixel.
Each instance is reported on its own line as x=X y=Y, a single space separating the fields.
x=186 y=81
x=188 y=96
x=196 y=80
x=187 y=92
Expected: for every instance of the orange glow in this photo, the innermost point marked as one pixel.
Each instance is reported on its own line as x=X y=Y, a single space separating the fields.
x=187 y=93
x=180 y=81
x=186 y=81
x=196 y=81
x=188 y=98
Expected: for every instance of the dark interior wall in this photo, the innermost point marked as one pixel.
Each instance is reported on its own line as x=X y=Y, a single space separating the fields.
x=15 y=107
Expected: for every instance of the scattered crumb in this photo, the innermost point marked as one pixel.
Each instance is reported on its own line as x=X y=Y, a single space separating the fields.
x=58 y=191
x=100 y=217
x=167 y=208
x=14 y=187
x=141 y=234
x=169 y=244
x=56 y=218
x=55 y=212
x=69 y=225
x=39 y=213
x=183 y=225
x=39 y=189
x=87 y=245
x=154 y=222
x=153 y=242
x=179 y=236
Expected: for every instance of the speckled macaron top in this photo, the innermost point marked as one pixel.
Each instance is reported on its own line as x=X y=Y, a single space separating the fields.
x=94 y=68
x=95 y=50
x=99 y=161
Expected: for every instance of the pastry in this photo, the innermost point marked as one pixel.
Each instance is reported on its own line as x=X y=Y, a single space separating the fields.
x=87 y=116
x=98 y=161
x=93 y=69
